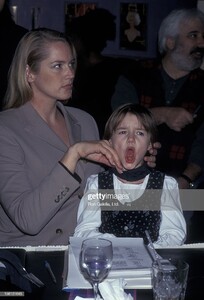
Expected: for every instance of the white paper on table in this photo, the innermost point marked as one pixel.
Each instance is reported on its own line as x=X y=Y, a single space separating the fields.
x=131 y=261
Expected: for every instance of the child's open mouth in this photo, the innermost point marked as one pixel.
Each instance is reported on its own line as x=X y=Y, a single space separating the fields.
x=130 y=155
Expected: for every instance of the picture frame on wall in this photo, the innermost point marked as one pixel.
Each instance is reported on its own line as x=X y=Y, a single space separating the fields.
x=133 y=26
x=132 y=19
x=14 y=11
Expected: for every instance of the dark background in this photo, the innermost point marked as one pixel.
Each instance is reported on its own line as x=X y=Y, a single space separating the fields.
x=51 y=13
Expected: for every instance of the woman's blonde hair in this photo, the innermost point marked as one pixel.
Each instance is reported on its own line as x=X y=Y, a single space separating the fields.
x=32 y=49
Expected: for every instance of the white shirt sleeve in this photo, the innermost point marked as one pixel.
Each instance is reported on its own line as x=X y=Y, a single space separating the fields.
x=89 y=212
x=173 y=226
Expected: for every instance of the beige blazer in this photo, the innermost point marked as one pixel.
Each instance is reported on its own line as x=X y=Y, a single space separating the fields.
x=38 y=197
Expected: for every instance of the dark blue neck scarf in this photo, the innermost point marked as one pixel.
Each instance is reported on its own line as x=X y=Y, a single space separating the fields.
x=134 y=174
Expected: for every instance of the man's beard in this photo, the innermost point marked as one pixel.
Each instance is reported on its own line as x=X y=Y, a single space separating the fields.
x=187 y=63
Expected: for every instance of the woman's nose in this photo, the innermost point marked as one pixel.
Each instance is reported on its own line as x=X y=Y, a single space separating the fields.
x=69 y=71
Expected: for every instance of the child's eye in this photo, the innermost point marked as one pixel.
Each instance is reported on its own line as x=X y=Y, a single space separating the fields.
x=122 y=132
x=140 y=133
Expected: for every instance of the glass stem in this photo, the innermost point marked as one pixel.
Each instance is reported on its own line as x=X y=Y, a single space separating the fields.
x=95 y=288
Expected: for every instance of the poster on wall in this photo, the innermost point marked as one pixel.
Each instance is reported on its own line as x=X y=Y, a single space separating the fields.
x=133 y=26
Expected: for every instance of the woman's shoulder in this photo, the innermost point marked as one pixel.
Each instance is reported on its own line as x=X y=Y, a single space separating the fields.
x=78 y=113
x=84 y=119
x=6 y=116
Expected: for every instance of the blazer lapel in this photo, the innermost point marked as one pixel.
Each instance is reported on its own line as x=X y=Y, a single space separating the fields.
x=37 y=126
x=73 y=126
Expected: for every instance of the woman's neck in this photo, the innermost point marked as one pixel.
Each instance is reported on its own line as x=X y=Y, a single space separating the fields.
x=48 y=112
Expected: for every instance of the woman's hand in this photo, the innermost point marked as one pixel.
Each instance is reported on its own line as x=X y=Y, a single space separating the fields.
x=151 y=159
x=97 y=151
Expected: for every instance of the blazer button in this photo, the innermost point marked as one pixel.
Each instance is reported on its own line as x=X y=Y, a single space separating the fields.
x=59 y=231
x=57 y=199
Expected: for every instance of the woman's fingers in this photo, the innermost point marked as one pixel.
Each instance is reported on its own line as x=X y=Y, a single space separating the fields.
x=102 y=152
x=151 y=159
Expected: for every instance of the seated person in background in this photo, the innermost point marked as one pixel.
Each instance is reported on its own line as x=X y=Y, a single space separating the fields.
x=173 y=90
x=144 y=199
x=195 y=230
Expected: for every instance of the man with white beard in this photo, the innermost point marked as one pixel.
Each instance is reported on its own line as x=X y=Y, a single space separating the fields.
x=173 y=90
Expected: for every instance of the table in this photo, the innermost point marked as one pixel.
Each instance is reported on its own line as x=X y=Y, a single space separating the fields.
x=35 y=263
x=53 y=291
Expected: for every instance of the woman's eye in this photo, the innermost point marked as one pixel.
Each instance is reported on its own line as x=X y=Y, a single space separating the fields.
x=57 y=66
x=72 y=64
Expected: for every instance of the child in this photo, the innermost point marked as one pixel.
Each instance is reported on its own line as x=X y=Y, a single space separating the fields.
x=139 y=199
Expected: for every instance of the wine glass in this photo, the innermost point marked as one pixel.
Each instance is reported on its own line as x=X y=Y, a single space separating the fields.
x=95 y=261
